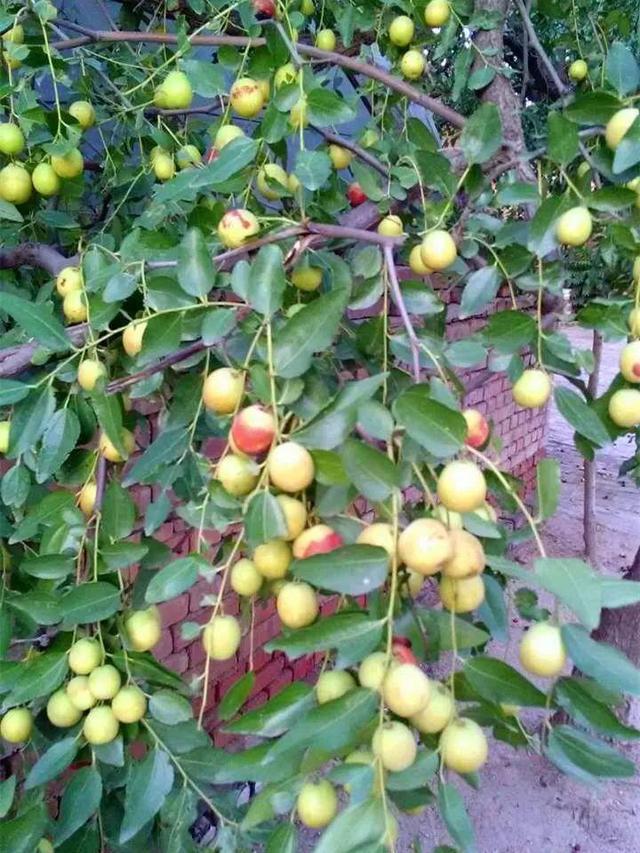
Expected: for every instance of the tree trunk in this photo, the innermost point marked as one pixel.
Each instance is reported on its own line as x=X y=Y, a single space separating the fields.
x=589 y=509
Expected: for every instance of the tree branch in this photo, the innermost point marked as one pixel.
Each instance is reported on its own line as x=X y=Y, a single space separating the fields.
x=535 y=44
x=14 y=360
x=356 y=149
x=414 y=344
x=183 y=354
x=34 y=255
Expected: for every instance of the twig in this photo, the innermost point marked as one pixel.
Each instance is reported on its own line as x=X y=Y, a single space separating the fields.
x=414 y=344
x=118 y=385
x=539 y=49
x=356 y=149
x=101 y=479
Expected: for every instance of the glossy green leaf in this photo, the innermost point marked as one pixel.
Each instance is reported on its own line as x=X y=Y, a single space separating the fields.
x=548 y=483
x=38 y=322
x=498 y=682
x=435 y=427
x=165 y=449
x=351 y=570
x=267 y=281
x=7 y=791
x=608 y=666
x=52 y=762
x=358 y=827
x=581 y=416
x=90 y=602
x=176 y=578
x=575 y=584
x=149 y=782
x=196 y=273
x=622 y=69
x=312 y=168
x=372 y=472
x=328 y=633
x=454 y=814
x=80 y=801
x=482 y=134
x=481 y=289
x=581 y=705
x=584 y=757
x=236 y=696
x=170 y=708
x=37 y=677
x=278 y=714
x=118 y=512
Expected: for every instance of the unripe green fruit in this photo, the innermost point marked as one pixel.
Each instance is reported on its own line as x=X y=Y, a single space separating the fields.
x=425 y=545
x=11 y=139
x=390 y=226
x=237 y=474
x=69 y=165
x=578 y=70
x=624 y=408
x=15 y=184
x=104 y=682
x=68 y=280
x=618 y=125
x=438 y=250
x=333 y=684
x=306 y=278
x=412 y=64
x=129 y=704
x=84 y=113
x=221 y=637
x=269 y=175
x=340 y=157
x=574 y=227
x=74 y=306
x=436 y=13
x=245 y=578
x=299 y=115
x=291 y=467
x=463 y=746
x=177 y=92
x=326 y=40
x=317 y=805
x=45 y=181
x=61 y=711
x=164 y=167
x=286 y=75
x=5 y=429
x=16 y=725
x=109 y=450
x=461 y=596
x=80 y=694
x=295 y=515
x=542 y=650
x=84 y=656
x=532 y=389
x=394 y=744
x=227 y=133
x=188 y=156
x=401 y=30
x=143 y=629
x=100 y=725
x=89 y=371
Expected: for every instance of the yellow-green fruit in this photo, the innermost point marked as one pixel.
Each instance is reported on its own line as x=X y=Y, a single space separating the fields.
x=188 y=156
x=437 y=714
x=634 y=322
x=87 y=498
x=574 y=227
x=164 y=167
x=227 y=133
x=372 y=671
x=236 y=227
x=45 y=846
x=453 y=520
x=74 y=306
x=624 y=408
x=245 y=578
x=394 y=744
x=583 y=169
x=143 y=629
x=542 y=651
x=436 y=13
x=295 y=516
x=294 y=184
x=297 y=605
x=270 y=174
x=618 y=125
x=221 y=637
x=630 y=362
x=333 y=684
x=68 y=280
x=298 y=117
x=109 y=450
x=105 y=681
x=415 y=583
x=246 y=97
x=290 y=467
x=89 y=371
x=379 y=534
x=412 y=64
x=340 y=157
x=61 y=711
x=285 y=75
x=461 y=486
x=390 y=226
x=129 y=704
x=132 y=337
x=100 y=726
x=44 y=179
x=401 y=30
x=461 y=596
x=416 y=264
x=177 y=90
x=467 y=558
x=307 y=7
x=265 y=88
x=532 y=389
x=68 y=165
x=11 y=139
x=463 y=746
x=326 y=40
x=84 y=113
x=425 y=545
x=16 y=725
x=306 y=278
x=406 y=690
x=238 y=474
x=222 y=390
x=79 y=692
x=317 y=804
x=84 y=656
x=438 y=250
x=15 y=184
x=578 y=70
x=5 y=428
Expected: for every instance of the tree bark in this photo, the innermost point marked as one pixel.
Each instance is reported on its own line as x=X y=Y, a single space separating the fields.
x=621 y=627
x=589 y=508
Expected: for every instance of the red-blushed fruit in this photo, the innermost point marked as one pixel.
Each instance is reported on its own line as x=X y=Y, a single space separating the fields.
x=394 y=744
x=532 y=389
x=333 y=684
x=295 y=516
x=425 y=545
x=246 y=97
x=245 y=578
x=129 y=704
x=317 y=804
x=542 y=650
x=84 y=656
x=438 y=250
x=463 y=746
x=100 y=726
x=463 y=595
x=381 y=535
x=272 y=559
x=61 y=712
x=401 y=650
x=356 y=194
x=253 y=430
x=264 y=8
x=290 y=467
x=477 y=428
x=372 y=670
x=624 y=408
x=16 y=725
x=461 y=486
x=236 y=227
x=630 y=362
x=467 y=558
x=319 y=539
x=143 y=629
x=438 y=713
x=222 y=390
x=238 y=475
x=221 y=637
x=79 y=692
x=87 y=498
x=406 y=689
x=297 y=605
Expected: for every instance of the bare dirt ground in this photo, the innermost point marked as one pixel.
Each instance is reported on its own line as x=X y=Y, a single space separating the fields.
x=524 y=803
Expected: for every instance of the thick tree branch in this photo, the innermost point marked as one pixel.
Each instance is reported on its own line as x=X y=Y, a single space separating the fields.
x=34 y=255
x=561 y=88
x=14 y=360
x=117 y=385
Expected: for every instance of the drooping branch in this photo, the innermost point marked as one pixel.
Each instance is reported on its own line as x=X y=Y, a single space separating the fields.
x=34 y=255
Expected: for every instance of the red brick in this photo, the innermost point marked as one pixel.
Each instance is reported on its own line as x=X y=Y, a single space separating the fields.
x=175 y=610
x=177 y=662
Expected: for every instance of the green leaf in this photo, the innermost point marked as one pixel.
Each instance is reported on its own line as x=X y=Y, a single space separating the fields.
x=454 y=814
x=217 y=324
x=37 y=677
x=419 y=773
x=207 y=79
x=278 y=714
x=41 y=607
x=608 y=666
x=149 y=782
x=493 y=610
x=564 y=143
x=542 y=229
x=326 y=108
x=23 y=833
x=352 y=570
x=108 y=411
x=310 y=330
x=284 y=839
x=118 y=512
x=617 y=592
x=481 y=289
x=10 y=212
x=196 y=272
x=7 y=791
x=30 y=419
x=611 y=199
x=593 y=108
x=358 y=827
x=12 y=391
x=437 y=624
x=581 y=416
x=628 y=150
x=176 y=578
x=548 y=480
x=90 y=602
x=267 y=281
x=622 y=69
x=162 y=337
x=372 y=472
x=580 y=704
x=328 y=633
x=481 y=77
x=584 y=757
x=575 y=584
x=509 y=331
x=481 y=136
x=170 y=708
x=264 y=519
x=165 y=449
x=119 y=287
x=59 y=439
x=52 y=762
x=49 y=566
x=38 y=322
x=437 y=428
x=236 y=696
x=498 y=682
x=80 y=800
x=313 y=169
